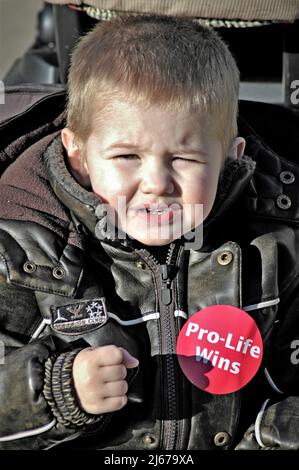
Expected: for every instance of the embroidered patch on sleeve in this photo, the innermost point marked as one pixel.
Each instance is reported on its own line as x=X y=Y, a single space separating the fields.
x=79 y=317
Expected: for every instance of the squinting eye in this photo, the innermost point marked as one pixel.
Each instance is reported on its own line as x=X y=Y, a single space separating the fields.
x=184 y=159
x=127 y=157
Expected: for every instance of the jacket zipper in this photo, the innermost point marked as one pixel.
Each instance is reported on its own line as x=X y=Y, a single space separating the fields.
x=166 y=293
x=170 y=426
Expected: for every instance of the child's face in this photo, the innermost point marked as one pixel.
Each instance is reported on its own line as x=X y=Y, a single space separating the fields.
x=152 y=158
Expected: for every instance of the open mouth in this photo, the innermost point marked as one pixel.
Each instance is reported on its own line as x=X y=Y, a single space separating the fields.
x=154 y=211
x=158 y=214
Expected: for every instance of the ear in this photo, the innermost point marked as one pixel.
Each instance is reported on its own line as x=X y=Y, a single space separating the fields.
x=237 y=148
x=76 y=158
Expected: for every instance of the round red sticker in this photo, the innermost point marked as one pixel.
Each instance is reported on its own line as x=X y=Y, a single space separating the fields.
x=220 y=349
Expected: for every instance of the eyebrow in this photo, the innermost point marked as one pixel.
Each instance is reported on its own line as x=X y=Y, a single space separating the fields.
x=123 y=145
x=191 y=152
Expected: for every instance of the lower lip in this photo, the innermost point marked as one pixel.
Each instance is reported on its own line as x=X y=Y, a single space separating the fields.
x=149 y=217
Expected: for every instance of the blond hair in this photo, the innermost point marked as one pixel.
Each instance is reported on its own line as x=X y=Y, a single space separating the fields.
x=151 y=59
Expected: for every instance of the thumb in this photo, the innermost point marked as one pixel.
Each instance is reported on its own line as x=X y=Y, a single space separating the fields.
x=129 y=361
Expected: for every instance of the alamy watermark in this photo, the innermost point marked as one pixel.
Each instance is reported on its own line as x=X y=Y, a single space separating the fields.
x=295 y=354
x=154 y=222
x=2 y=92
x=294 y=98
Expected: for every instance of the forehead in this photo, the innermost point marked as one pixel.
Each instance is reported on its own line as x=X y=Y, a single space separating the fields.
x=125 y=119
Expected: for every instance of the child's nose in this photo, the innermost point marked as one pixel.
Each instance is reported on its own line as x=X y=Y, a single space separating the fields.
x=157 y=181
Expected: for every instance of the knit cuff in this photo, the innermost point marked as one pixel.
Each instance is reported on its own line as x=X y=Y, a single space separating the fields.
x=60 y=393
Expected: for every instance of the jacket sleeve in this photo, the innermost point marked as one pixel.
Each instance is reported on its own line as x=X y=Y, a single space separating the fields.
x=276 y=427
x=277 y=422
x=38 y=407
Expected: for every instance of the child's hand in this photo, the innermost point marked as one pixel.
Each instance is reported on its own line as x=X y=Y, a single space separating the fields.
x=99 y=378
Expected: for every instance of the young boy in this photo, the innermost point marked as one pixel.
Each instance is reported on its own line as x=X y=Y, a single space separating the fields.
x=101 y=261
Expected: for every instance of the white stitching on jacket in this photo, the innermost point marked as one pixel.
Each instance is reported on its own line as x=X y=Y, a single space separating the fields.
x=257 y=423
x=135 y=321
x=271 y=382
x=267 y=303
x=33 y=432
x=180 y=313
x=39 y=329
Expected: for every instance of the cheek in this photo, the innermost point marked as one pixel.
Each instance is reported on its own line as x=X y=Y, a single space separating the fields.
x=203 y=186
x=203 y=190
x=108 y=184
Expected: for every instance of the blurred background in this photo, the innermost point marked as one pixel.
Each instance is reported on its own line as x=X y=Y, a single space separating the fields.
x=36 y=39
x=17 y=29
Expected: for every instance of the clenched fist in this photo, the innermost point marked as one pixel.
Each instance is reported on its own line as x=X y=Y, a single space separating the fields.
x=99 y=378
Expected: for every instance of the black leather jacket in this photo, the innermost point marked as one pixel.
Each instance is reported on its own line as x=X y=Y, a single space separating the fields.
x=58 y=258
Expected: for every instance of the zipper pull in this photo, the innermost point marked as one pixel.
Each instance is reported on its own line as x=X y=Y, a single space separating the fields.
x=166 y=290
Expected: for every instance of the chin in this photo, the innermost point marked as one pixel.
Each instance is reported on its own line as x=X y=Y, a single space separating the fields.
x=152 y=241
